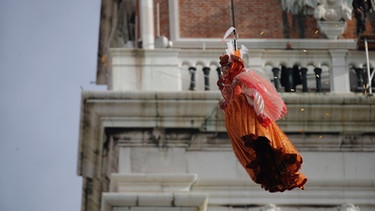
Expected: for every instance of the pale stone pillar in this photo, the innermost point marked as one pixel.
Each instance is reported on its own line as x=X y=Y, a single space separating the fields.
x=146 y=70
x=254 y=60
x=147 y=24
x=339 y=75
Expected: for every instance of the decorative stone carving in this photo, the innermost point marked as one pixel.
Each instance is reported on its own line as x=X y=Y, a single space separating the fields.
x=332 y=29
x=270 y=207
x=331 y=14
x=349 y=207
x=332 y=10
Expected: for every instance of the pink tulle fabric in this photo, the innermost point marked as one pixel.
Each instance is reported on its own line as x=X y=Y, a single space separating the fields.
x=274 y=106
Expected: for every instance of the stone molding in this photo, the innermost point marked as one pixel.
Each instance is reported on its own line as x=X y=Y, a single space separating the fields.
x=348 y=114
x=147 y=201
x=318 y=192
x=164 y=190
x=152 y=182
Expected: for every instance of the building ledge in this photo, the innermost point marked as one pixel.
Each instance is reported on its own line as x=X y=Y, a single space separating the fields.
x=309 y=113
x=152 y=182
x=237 y=192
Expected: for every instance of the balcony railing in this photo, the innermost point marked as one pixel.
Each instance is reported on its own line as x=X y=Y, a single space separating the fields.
x=330 y=70
x=290 y=71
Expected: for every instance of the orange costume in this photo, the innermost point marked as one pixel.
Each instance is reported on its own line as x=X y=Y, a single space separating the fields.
x=252 y=105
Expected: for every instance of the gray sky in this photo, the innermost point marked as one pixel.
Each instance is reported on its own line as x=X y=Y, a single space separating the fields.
x=48 y=52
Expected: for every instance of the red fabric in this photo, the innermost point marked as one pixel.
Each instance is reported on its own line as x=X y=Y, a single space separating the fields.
x=260 y=145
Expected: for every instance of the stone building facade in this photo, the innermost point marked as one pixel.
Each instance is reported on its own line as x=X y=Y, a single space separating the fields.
x=156 y=140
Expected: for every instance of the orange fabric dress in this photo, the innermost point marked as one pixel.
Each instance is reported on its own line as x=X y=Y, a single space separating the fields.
x=251 y=107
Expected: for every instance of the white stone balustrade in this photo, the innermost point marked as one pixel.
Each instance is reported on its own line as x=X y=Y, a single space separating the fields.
x=168 y=69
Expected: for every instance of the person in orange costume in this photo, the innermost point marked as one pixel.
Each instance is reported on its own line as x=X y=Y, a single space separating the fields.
x=252 y=105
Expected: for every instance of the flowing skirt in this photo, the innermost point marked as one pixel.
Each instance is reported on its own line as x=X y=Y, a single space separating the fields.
x=265 y=152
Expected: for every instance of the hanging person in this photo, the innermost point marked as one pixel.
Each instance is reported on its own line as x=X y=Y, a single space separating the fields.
x=252 y=105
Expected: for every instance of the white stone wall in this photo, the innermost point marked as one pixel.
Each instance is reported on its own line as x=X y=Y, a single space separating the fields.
x=172 y=153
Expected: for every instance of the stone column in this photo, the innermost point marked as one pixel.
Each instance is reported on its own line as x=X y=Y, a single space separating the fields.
x=192 y=71
x=339 y=75
x=147 y=24
x=318 y=79
x=206 y=71
x=276 y=72
x=287 y=78
x=304 y=79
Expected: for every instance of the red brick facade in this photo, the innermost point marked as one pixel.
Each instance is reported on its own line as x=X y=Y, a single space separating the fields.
x=254 y=19
x=164 y=17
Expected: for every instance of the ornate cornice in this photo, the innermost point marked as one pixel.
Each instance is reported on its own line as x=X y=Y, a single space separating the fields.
x=348 y=117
